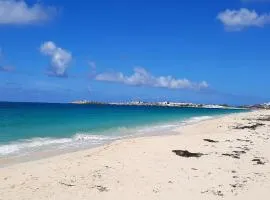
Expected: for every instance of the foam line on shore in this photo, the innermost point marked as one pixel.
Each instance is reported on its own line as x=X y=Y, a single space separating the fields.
x=85 y=140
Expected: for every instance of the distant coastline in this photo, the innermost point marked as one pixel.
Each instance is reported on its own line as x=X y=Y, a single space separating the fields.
x=158 y=104
x=161 y=104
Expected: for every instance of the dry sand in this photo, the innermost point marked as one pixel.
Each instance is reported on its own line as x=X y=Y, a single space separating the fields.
x=233 y=166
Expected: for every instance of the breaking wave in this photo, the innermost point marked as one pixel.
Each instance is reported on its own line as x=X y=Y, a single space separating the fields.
x=84 y=140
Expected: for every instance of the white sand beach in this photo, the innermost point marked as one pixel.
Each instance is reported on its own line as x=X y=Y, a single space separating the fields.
x=233 y=163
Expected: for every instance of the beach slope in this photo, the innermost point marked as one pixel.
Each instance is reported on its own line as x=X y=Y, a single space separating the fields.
x=222 y=158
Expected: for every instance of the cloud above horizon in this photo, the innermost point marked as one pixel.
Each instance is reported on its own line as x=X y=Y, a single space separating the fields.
x=19 y=12
x=60 y=58
x=141 y=77
x=237 y=20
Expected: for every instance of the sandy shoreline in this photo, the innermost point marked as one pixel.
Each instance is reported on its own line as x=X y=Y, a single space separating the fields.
x=234 y=165
x=152 y=130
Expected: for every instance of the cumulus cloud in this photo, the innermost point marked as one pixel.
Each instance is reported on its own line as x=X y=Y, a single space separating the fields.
x=60 y=58
x=19 y=12
x=237 y=20
x=141 y=77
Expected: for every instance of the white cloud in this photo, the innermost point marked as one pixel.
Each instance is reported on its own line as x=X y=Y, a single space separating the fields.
x=18 y=12
x=60 y=58
x=236 y=20
x=141 y=77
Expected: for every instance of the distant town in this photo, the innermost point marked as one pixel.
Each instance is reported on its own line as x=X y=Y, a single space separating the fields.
x=176 y=104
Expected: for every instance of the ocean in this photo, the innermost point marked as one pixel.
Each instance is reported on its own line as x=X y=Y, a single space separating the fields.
x=27 y=128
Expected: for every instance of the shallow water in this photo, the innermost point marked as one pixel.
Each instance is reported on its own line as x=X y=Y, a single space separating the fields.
x=29 y=128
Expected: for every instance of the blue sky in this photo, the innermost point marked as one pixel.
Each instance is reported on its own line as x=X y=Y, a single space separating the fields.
x=110 y=50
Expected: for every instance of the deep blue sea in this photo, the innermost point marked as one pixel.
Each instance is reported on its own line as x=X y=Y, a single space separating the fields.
x=33 y=127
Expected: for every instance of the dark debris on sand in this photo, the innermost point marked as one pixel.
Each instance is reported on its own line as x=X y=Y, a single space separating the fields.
x=239 y=152
x=67 y=184
x=187 y=154
x=231 y=155
x=250 y=126
x=264 y=118
x=234 y=154
x=242 y=140
x=216 y=193
x=258 y=161
x=101 y=188
x=210 y=140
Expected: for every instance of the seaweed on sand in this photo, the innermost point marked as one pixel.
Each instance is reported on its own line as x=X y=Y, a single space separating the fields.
x=187 y=154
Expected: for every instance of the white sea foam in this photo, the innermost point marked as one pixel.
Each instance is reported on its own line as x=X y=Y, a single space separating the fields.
x=35 y=144
x=8 y=149
x=85 y=139
x=198 y=119
x=30 y=144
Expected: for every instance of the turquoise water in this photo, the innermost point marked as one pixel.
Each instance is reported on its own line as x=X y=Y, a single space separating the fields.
x=26 y=127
